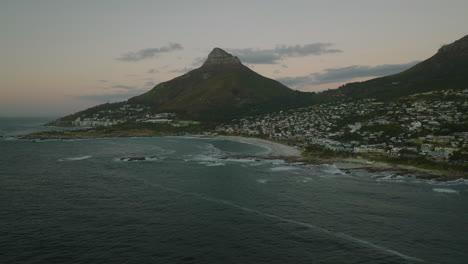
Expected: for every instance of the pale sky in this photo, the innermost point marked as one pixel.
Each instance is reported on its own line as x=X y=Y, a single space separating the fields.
x=58 y=57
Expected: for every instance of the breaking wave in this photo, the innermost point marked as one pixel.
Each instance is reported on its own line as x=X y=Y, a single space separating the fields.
x=445 y=190
x=133 y=159
x=75 y=158
x=284 y=168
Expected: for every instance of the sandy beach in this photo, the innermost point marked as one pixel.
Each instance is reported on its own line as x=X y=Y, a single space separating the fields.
x=283 y=151
x=275 y=149
x=278 y=150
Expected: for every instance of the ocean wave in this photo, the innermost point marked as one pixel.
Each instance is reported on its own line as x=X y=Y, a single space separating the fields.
x=213 y=164
x=329 y=169
x=448 y=183
x=392 y=178
x=130 y=159
x=203 y=158
x=304 y=180
x=75 y=158
x=284 y=168
x=274 y=161
x=398 y=177
x=445 y=190
x=210 y=156
x=242 y=160
x=262 y=181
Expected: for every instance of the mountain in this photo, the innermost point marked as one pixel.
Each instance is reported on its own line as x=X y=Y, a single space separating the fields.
x=447 y=69
x=222 y=88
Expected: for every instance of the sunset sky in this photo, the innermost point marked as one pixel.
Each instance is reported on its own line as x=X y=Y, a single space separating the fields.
x=58 y=57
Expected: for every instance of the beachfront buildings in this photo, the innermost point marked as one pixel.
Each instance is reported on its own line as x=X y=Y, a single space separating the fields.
x=432 y=125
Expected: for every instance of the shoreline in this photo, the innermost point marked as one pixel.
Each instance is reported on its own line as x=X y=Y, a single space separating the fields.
x=293 y=154
x=278 y=150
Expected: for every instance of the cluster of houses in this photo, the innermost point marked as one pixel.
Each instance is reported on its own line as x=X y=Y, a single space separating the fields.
x=110 y=117
x=138 y=113
x=166 y=118
x=433 y=125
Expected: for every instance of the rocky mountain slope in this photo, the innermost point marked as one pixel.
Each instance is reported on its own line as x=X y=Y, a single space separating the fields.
x=222 y=88
x=447 y=69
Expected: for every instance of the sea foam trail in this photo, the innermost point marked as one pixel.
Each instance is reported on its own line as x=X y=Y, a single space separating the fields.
x=76 y=158
x=445 y=190
x=284 y=168
x=291 y=221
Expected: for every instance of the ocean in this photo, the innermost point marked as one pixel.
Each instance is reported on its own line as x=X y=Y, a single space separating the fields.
x=194 y=200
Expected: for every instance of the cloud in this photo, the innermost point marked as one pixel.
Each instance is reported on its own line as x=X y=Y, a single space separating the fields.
x=125 y=87
x=110 y=97
x=198 y=61
x=150 y=84
x=333 y=75
x=280 y=52
x=152 y=71
x=149 y=53
x=182 y=70
x=116 y=93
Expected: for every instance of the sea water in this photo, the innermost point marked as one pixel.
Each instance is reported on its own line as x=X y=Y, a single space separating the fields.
x=193 y=200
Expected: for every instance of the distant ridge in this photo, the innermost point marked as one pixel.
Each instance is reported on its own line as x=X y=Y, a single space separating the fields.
x=447 y=69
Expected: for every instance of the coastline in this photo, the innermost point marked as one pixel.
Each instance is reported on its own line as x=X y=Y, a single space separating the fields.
x=276 y=150
x=294 y=154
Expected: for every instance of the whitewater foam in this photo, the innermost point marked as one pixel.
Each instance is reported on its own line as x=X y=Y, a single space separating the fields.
x=445 y=190
x=75 y=158
x=213 y=164
x=134 y=159
x=330 y=169
x=284 y=168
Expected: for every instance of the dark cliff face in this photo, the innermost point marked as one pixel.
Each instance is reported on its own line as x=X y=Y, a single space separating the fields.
x=222 y=88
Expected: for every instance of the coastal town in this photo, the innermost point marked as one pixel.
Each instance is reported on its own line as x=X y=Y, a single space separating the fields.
x=129 y=112
x=432 y=125
x=110 y=117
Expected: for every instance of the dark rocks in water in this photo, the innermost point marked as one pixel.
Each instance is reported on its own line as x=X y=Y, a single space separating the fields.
x=132 y=158
x=138 y=158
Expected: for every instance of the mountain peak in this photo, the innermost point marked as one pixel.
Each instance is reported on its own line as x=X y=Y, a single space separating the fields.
x=218 y=56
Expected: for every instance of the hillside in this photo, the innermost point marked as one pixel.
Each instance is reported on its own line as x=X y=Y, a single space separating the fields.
x=447 y=69
x=222 y=88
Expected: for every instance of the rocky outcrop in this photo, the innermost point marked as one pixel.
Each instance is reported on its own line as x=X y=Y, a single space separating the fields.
x=219 y=57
